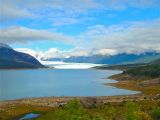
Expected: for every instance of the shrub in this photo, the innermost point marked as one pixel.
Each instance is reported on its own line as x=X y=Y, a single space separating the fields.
x=139 y=115
x=131 y=108
x=156 y=113
x=73 y=111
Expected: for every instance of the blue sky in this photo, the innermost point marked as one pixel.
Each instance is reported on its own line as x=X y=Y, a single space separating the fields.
x=81 y=26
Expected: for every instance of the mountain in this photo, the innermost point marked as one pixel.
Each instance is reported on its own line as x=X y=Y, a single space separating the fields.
x=10 y=58
x=113 y=59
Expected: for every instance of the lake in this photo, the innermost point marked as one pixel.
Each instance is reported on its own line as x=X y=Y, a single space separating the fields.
x=15 y=84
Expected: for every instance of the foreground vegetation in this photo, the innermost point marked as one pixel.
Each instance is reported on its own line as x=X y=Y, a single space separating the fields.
x=75 y=110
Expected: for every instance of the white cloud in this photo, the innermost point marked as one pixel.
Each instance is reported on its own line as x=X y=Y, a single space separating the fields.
x=53 y=53
x=28 y=51
x=77 y=52
x=24 y=35
x=130 y=37
x=9 y=11
x=105 y=52
x=50 y=9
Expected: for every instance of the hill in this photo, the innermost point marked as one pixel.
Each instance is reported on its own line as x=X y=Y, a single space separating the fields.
x=10 y=58
x=151 y=70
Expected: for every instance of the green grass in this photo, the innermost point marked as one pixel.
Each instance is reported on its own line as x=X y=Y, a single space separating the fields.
x=74 y=110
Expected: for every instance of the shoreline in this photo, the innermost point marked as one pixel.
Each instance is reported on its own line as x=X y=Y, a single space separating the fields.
x=146 y=87
x=60 y=101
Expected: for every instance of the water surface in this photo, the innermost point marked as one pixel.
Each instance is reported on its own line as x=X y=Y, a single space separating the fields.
x=29 y=116
x=15 y=84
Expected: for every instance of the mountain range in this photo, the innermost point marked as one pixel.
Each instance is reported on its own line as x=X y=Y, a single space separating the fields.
x=10 y=58
x=123 y=58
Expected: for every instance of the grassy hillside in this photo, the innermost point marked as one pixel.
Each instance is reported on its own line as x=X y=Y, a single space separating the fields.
x=152 y=71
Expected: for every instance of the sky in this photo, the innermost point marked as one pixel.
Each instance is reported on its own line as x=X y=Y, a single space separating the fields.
x=60 y=28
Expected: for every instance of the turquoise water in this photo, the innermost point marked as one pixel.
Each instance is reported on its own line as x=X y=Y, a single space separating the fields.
x=15 y=84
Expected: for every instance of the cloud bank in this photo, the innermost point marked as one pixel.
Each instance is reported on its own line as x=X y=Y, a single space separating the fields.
x=25 y=35
x=129 y=37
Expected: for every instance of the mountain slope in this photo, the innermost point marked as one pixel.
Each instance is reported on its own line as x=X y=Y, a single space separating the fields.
x=149 y=70
x=10 y=58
